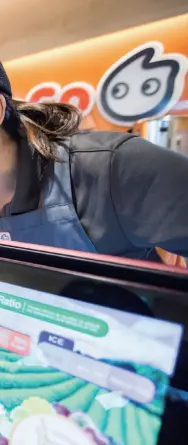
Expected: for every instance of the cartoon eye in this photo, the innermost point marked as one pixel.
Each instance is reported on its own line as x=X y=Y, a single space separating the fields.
x=151 y=86
x=120 y=90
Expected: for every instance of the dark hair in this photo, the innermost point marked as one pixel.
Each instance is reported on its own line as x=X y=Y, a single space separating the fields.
x=44 y=124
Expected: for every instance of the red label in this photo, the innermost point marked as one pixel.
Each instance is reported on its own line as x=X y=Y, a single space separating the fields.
x=79 y=94
x=44 y=92
x=14 y=341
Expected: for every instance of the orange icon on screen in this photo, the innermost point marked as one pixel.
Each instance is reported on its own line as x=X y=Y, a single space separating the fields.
x=19 y=343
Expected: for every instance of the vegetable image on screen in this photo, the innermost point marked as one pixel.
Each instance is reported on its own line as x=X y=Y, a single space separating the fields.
x=54 y=407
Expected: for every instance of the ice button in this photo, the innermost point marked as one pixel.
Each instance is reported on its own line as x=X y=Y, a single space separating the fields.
x=56 y=340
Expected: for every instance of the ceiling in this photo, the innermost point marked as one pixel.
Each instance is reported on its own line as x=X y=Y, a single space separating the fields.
x=30 y=26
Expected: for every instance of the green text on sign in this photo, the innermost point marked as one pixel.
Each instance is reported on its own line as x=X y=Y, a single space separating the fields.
x=50 y=314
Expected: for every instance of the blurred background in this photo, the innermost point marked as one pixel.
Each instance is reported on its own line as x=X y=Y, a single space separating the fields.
x=59 y=50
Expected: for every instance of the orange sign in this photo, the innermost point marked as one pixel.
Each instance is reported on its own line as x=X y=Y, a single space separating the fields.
x=115 y=80
x=14 y=341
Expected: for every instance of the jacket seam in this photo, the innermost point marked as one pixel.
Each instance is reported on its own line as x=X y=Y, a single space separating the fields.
x=113 y=204
x=72 y=149
x=90 y=151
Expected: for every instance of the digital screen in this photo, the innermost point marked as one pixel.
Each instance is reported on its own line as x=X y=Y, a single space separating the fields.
x=79 y=374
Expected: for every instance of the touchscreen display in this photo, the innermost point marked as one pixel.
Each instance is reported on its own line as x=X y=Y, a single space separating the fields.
x=73 y=373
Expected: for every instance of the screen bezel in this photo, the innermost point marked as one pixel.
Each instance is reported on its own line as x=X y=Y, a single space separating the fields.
x=51 y=279
x=110 y=268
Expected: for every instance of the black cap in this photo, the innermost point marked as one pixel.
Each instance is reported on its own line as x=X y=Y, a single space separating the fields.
x=5 y=86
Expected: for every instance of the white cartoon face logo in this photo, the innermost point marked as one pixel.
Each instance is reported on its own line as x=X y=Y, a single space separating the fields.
x=143 y=84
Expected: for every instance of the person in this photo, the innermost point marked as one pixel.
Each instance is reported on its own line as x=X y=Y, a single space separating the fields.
x=105 y=192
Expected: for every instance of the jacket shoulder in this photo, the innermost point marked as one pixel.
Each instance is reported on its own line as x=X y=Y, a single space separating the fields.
x=85 y=141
